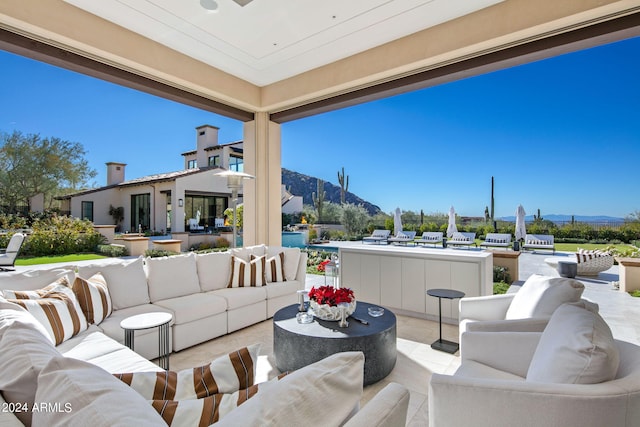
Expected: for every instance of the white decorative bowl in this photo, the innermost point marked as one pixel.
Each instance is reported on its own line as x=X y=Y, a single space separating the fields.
x=328 y=312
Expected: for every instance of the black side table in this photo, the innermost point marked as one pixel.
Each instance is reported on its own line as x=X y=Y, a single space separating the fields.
x=440 y=344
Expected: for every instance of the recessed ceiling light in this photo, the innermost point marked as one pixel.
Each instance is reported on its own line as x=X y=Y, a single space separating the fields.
x=210 y=5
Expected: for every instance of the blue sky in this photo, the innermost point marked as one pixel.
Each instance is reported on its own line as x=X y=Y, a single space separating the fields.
x=560 y=135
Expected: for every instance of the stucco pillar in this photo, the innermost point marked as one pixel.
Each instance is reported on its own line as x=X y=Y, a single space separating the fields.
x=262 y=220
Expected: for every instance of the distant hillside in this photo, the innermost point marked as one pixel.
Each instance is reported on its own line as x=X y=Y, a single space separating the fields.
x=304 y=185
x=567 y=218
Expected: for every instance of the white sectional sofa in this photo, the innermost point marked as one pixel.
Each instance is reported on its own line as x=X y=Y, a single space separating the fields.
x=68 y=391
x=192 y=287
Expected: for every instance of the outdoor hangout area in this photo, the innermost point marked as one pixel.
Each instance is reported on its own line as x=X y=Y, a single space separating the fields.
x=226 y=281
x=441 y=333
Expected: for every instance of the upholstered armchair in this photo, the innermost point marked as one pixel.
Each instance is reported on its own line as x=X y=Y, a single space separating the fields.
x=527 y=310
x=572 y=374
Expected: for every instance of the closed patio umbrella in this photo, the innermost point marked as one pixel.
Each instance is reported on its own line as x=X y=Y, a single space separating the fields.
x=452 y=223
x=397 y=222
x=521 y=230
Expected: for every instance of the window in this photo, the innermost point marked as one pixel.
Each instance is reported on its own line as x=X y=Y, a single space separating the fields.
x=87 y=211
x=214 y=161
x=140 y=212
x=236 y=164
x=192 y=164
x=209 y=207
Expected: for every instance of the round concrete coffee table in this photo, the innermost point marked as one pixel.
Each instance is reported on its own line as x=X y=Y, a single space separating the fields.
x=296 y=345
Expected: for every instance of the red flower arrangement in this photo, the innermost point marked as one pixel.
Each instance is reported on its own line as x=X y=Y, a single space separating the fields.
x=323 y=264
x=330 y=295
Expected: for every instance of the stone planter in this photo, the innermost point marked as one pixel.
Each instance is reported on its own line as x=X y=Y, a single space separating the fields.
x=629 y=272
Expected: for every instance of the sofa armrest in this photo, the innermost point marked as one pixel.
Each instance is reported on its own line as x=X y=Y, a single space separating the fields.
x=506 y=351
x=514 y=325
x=387 y=408
x=489 y=307
x=301 y=275
x=456 y=401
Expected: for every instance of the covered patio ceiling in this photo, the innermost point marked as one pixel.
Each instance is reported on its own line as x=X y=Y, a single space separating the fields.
x=296 y=58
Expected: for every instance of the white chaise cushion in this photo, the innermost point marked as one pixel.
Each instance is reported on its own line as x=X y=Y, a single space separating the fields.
x=125 y=279
x=576 y=347
x=26 y=349
x=172 y=276
x=190 y=308
x=214 y=270
x=291 y=260
x=89 y=396
x=540 y=295
x=301 y=398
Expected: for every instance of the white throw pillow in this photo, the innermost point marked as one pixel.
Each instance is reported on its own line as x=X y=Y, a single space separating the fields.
x=274 y=268
x=576 y=347
x=172 y=277
x=93 y=297
x=540 y=295
x=89 y=396
x=207 y=410
x=226 y=374
x=247 y=273
x=291 y=260
x=301 y=398
x=26 y=349
x=214 y=270
x=55 y=306
x=126 y=281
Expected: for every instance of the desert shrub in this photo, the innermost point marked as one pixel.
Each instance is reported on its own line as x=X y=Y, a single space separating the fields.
x=221 y=242
x=112 y=250
x=157 y=253
x=61 y=235
x=501 y=274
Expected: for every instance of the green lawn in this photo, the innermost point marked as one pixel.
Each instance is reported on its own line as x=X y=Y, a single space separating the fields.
x=58 y=258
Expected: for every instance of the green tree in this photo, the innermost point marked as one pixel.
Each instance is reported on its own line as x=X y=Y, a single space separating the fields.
x=354 y=218
x=31 y=165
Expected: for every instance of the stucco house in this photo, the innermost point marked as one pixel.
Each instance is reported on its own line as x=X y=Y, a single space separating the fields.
x=166 y=201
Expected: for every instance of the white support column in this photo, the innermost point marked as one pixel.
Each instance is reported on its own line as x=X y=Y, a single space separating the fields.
x=262 y=220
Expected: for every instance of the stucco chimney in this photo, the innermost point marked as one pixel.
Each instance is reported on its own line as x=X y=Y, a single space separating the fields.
x=115 y=173
x=207 y=136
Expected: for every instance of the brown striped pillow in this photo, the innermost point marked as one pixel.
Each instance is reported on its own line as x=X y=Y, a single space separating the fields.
x=245 y=273
x=207 y=410
x=93 y=297
x=55 y=307
x=226 y=374
x=274 y=268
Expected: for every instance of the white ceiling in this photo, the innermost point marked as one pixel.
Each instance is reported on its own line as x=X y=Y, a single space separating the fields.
x=271 y=40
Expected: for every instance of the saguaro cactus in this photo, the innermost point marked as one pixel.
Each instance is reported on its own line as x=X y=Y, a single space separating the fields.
x=318 y=200
x=343 y=188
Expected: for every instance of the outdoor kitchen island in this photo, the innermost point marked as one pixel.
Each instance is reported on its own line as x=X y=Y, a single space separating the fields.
x=398 y=277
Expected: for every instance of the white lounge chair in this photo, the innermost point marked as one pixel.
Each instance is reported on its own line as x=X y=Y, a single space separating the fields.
x=9 y=254
x=430 y=238
x=539 y=241
x=194 y=226
x=462 y=239
x=590 y=263
x=378 y=236
x=498 y=240
x=403 y=237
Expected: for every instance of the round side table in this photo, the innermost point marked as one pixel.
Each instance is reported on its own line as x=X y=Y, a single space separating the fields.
x=147 y=321
x=440 y=344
